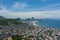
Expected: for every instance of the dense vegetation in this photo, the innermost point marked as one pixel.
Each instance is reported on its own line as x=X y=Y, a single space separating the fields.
x=21 y=37
x=4 y=21
x=17 y=37
x=9 y=22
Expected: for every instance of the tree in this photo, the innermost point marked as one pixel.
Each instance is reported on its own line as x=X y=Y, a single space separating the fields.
x=17 y=37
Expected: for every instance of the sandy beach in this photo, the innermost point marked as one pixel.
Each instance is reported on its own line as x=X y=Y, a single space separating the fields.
x=34 y=23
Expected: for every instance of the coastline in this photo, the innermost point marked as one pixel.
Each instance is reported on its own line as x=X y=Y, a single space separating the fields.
x=34 y=23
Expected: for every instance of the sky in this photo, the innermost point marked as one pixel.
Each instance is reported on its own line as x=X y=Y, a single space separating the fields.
x=30 y=8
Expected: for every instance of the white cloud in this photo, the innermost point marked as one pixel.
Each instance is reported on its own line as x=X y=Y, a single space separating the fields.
x=19 y=5
x=50 y=7
x=55 y=14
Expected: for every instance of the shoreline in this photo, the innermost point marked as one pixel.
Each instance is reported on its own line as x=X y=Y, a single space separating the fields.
x=34 y=23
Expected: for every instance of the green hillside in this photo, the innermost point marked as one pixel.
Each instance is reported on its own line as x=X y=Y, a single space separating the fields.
x=5 y=21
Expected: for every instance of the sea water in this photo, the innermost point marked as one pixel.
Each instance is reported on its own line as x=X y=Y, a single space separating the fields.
x=49 y=23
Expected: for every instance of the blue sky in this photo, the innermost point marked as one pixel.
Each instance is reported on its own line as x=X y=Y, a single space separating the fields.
x=30 y=8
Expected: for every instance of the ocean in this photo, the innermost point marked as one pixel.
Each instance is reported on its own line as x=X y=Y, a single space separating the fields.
x=49 y=23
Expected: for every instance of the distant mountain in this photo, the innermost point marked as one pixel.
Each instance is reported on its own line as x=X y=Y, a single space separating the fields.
x=30 y=19
x=1 y=18
x=18 y=19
